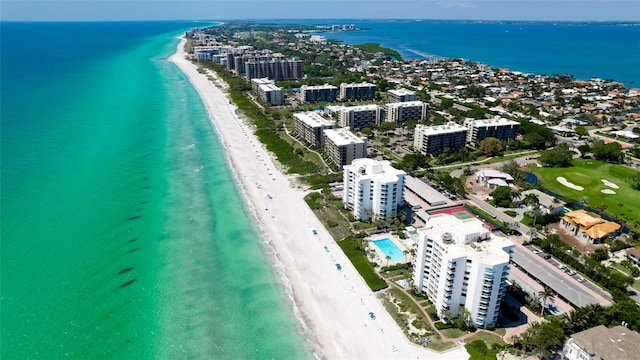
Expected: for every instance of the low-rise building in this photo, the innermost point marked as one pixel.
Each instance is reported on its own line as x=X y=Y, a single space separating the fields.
x=354 y=92
x=358 y=117
x=547 y=203
x=400 y=95
x=493 y=178
x=588 y=226
x=461 y=264
x=401 y=112
x=499 y=128
x=310 y=126
x=324 y=93
x=343 y=146
x=634 y=256
x=436 y=139
x=268 y=91
x=601 y=343
x=372 y=189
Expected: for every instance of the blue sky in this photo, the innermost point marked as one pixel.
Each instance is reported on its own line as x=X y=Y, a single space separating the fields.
x=87 y=10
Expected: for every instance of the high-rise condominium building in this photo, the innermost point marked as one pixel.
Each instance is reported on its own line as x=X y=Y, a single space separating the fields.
x=436 y=139
x=324 y=93
x=268 y=91
x=401 y=112
x=353 y=92
x=310 y=126
x=372 y=189
x=499 y=128
x=358 y=117
x=460 y=265
x=400 y=95
x=343 y=146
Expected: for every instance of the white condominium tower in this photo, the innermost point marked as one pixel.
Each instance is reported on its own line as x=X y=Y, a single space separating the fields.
x=461 y=264
x=372 y=189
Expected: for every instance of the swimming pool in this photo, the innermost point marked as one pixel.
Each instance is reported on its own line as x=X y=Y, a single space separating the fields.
x=389 y=248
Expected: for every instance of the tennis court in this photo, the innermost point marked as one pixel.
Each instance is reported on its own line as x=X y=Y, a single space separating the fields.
x=461 y=213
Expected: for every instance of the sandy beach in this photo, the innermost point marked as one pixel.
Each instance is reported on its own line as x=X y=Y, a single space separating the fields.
x=333 y=305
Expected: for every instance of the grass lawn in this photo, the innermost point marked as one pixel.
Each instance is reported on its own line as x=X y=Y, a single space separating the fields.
x=452 y=333
x=621 y=268
x=488 y=339
x=588 y=174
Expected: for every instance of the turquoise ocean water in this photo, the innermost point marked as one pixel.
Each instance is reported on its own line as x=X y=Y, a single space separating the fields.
x=123 y=234
x=585 y=50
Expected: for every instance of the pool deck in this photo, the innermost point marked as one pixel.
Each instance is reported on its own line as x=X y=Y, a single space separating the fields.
x=379 y=255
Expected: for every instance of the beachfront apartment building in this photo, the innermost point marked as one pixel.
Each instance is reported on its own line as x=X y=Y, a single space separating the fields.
x=310 y=126
x=342 y=146
x=436 y=139
x=276 y=68
x=357 y=92
x=252 y=63
x=362 y=116
x=461 y=264
x=267 y=90
x=499 y=128
x=324 y=93
x=401 y=112
x=400 y=95
x=373 y=189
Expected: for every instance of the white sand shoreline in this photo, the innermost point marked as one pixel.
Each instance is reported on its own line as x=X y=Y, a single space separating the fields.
x=334 y=304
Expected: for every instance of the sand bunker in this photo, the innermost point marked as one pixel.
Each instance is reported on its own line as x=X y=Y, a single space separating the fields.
x=609 y=184
x=608 y=191
x=568 y=184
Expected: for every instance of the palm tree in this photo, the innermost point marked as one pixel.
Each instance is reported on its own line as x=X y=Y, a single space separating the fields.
x=546 y=294
x=405 y=252
x=388 y=258
x=516 y=195
x=531 y=200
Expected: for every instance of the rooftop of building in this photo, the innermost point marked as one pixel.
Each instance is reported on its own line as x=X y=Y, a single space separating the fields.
x=360 y=107
x=380 y=170
x=545 y=200
x=317 y=87
x=362 y=84
x=617 y=342
x=489 y=122
x=261 y=81
x=342 y=137
x=493 y=174
x=440 y=129
x=467 y=237
x=590 y=223
x=269 y=87
x=313 y=119
x=400 y=92
x=405 y=104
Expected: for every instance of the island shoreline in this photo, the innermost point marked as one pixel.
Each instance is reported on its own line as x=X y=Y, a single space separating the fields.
x=333 y=304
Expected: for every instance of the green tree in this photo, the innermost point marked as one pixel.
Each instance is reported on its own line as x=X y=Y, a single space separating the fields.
x=600 y=254
x=559 y=156
x=546 y=294
x=502 y=196
x=512 y=168
x=581 y=131
x=491 y=146
x=584 y=150
x=611 y=152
